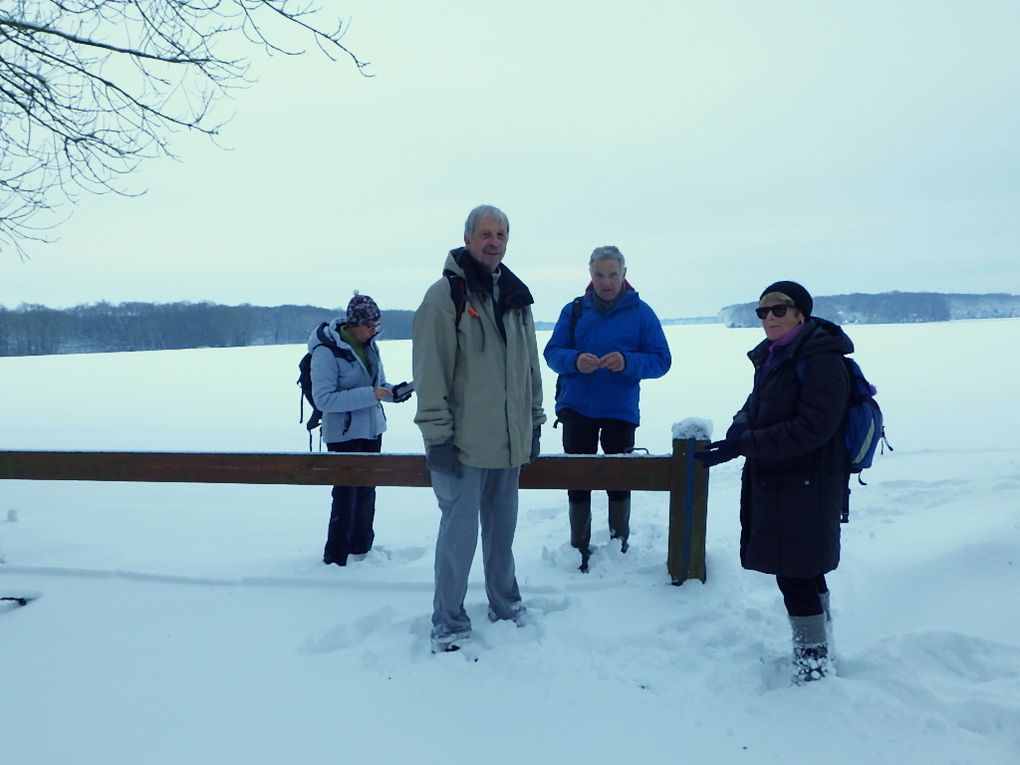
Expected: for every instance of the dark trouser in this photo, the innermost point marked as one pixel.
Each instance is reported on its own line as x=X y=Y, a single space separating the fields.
x=353 y=512
x=801 y=594
x=582 y=435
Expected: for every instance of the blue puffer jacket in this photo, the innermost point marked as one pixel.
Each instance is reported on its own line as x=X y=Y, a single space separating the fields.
x=630 y=327
x=345 y=390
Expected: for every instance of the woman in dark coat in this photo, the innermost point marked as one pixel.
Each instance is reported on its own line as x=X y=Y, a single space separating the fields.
x=795 y=479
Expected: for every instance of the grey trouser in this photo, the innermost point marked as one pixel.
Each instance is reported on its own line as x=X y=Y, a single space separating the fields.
x=481 y=495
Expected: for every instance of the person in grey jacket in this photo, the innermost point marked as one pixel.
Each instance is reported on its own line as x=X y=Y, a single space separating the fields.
x=348 y=385
x=479 y=387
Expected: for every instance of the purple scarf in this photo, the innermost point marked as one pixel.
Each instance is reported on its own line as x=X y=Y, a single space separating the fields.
x=779 y=344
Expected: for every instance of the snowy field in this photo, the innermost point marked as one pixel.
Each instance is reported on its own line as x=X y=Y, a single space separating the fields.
x=196 y=624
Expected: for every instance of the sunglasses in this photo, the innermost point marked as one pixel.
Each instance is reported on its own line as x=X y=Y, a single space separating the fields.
x=779 y=311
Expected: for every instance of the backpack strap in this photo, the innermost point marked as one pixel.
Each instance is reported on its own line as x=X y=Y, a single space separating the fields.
x=576 y=306
x=847 y=366
x=458 y=294
x=575 y=313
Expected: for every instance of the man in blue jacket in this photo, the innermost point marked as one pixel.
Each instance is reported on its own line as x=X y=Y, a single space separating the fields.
x=605 y=342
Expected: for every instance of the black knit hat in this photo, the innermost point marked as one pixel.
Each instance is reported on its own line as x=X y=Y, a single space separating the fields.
x=362 y=311
x=801 y=297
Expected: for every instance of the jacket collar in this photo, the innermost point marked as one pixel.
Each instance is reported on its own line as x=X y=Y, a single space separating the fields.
x=513 y=293
x=817 y=336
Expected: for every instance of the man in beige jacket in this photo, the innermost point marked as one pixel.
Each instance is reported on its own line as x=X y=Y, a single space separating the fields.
x=479 y=387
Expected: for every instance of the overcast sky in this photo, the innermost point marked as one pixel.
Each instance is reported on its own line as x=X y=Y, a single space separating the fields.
x=854 y=146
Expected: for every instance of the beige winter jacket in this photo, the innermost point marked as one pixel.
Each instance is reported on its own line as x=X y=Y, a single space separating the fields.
x=470 y=385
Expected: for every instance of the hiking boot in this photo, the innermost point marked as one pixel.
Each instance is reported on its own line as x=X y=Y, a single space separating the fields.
x=449 y=643
x=518 y=615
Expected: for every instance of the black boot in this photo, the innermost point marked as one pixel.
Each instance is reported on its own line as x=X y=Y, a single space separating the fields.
x=585 y=555
x=580 y=530
x=619 y=521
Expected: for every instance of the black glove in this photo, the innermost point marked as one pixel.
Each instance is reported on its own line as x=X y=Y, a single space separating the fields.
x=402 y=391
x=719 y=452
x=442 y=458
x=536 y=434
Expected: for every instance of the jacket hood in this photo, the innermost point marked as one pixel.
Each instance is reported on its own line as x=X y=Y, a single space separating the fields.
x=328 y=333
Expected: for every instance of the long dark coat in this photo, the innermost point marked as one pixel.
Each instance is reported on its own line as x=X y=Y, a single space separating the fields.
x=795 y=479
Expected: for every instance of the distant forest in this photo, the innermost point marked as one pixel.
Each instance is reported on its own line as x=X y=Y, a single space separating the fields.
x=892 y=308
x=33 y=330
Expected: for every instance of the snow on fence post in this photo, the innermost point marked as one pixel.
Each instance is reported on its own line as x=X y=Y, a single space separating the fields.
x=688 y=502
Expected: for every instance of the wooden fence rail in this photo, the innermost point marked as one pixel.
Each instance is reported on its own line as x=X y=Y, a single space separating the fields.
x=679 y=474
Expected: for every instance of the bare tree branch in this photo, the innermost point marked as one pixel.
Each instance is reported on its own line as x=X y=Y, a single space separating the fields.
x=91 y=88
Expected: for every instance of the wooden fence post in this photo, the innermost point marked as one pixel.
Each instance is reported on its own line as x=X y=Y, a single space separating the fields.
x=688 y=512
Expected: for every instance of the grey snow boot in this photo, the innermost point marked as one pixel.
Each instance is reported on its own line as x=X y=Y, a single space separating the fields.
x=619 y=521
x=580 y=530
x=824 y=597
x=810 y=649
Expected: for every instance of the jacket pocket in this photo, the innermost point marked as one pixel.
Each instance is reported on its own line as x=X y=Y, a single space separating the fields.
x=784 y=482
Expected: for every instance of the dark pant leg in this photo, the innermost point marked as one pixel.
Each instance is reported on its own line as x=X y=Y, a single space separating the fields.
x=801 y=594
x=362 y=531
x=345 y=508
x=617 y=437
x=337 y=547
x=580 y=436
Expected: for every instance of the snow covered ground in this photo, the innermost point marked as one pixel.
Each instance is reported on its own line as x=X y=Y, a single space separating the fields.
x=189 y=623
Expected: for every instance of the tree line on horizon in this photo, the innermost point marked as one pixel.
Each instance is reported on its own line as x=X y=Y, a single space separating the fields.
x=34 y=330
x=893 y=308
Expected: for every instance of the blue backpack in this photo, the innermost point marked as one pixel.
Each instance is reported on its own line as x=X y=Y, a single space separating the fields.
x=863 y=427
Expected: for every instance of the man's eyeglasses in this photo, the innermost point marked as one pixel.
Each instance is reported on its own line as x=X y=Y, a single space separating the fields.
x=779 y=311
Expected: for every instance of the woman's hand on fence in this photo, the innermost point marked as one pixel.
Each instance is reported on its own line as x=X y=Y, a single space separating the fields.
x=719 y=452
